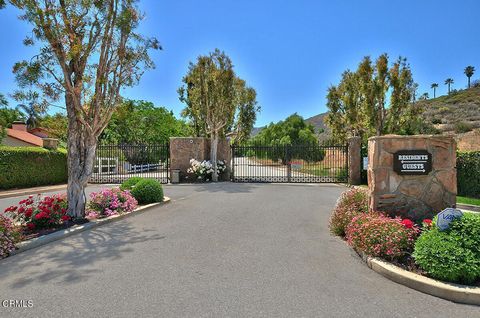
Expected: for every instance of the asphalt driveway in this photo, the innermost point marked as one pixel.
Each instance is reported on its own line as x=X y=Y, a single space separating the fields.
x=217 y=250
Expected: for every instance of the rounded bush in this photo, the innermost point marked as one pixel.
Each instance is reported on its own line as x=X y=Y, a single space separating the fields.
x=350 y=204
x=380 y=236
x=148 y=191
x=130 y=183
x=452 y=255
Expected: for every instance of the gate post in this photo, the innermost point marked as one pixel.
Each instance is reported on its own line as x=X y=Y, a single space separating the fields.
x=354 y=160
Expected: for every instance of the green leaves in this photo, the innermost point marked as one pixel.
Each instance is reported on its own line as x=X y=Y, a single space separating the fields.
x=217 y=101
x=358 y=104
x=452 y=255
x=468 y=182
x=140 y=122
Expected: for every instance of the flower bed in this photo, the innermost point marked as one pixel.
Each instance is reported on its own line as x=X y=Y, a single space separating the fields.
x=109 y=202
x=38 y=216
x=452 y=255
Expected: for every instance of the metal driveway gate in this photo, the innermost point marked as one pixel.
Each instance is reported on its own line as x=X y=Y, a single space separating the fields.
x=116 y=163
x=312 y=163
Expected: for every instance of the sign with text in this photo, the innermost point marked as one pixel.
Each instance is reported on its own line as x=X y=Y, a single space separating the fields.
x=412 y=162
x=445 y=217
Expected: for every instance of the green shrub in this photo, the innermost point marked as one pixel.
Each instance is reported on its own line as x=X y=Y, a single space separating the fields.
x=22 y=167
x=462 y=127
x=468 y=174
x=452 y=255
x=381 y=236
x=148 y=191
x=350 y=204
x=130 y=183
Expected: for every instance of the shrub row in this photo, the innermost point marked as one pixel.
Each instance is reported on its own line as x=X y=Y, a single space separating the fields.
x=468 y=174
x=22 y=167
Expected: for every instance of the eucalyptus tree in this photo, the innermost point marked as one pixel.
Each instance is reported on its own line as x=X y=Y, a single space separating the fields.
x=469 y=71
x=88 y=51
x=359 y=104
x=434 y=86
x=217 y=101
x=449 y=82
x=400 y=83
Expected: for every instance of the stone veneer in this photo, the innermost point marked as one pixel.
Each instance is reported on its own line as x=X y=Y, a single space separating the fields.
x=412 y=196
x=182 y=149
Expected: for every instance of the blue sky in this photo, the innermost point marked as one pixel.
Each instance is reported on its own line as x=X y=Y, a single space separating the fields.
x=290 y=51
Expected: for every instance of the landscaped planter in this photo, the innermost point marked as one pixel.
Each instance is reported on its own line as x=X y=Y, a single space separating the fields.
x=455 y=292
x=406 y=252
x=60 y=234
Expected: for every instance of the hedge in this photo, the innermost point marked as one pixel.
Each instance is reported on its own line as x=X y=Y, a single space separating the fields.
x=468 y=174
x=22 y=167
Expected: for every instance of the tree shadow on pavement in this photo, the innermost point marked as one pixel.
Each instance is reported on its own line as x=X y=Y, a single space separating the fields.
x=73 y=259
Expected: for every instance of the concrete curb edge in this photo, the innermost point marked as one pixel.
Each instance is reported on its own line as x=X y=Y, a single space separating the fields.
x=449 y=291
x=55 y=236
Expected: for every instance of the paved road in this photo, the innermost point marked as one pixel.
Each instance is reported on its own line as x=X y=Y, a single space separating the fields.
x=218 y=250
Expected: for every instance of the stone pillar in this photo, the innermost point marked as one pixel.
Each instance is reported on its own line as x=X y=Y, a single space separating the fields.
x=50 y=143
x=412 y=196
x=354 y=160
x=182 y=149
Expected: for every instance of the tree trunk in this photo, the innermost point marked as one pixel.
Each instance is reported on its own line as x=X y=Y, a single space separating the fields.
x=213 y=155
x=468 y=81
x=81 y=148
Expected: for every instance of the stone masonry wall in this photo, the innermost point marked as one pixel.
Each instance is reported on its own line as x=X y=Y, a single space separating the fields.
x=182 y=149
x=412 y=196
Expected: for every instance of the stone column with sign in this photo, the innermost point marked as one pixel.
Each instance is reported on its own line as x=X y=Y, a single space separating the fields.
x=412 y=176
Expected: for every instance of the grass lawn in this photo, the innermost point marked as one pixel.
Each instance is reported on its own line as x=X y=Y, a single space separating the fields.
x=465 y=200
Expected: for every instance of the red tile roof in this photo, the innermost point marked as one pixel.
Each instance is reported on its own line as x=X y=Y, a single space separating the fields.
x=25 y=137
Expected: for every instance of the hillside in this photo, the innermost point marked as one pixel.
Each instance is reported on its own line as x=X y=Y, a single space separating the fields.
x=458 y=112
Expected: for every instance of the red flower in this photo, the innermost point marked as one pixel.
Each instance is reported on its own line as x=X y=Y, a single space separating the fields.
x=40 y=215
x=30 y=226
x=407 y=223
x=427 y=222
x=65 y=218
x=28 y=212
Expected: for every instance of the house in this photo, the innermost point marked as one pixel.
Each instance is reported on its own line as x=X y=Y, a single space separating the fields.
x=19 y=136
x=39 y=132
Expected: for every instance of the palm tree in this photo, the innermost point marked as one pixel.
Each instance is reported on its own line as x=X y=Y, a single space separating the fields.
x=469 y=70
x=434 y=87
x=449 y=81
x=3 y=100
x=32 y=114
x=424 y=96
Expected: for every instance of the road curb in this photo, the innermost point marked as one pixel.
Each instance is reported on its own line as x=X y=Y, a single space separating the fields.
x=55 y=236
x=468 y=207
x=30 y=191
x=449 y=291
